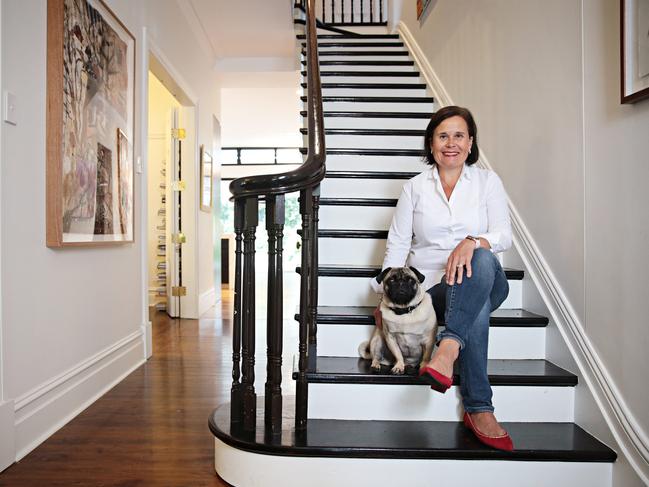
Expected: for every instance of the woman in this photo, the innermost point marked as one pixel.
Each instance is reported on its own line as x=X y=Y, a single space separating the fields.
x=449 y=222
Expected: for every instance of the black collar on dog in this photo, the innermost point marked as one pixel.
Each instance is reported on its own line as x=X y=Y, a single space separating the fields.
x=403 y=311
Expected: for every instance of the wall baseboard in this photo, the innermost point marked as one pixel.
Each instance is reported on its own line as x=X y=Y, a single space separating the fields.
x=206 y=300
x=631 y=439
x=45 y=409
x=7 y=445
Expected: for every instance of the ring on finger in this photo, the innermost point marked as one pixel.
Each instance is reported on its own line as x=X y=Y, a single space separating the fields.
x=460 y=265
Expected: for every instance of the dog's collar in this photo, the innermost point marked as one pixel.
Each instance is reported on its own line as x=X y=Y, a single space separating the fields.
x=403 y=311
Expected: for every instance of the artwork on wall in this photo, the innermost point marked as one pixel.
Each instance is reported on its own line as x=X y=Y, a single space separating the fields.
x=422 y=8
x=206 y=180
x=634 y=46
x=90 y=106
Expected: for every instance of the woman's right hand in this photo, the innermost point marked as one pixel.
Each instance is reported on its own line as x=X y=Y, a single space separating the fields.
x=378 y=317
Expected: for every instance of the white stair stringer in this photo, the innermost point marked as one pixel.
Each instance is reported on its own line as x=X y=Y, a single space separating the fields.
x=248 y=469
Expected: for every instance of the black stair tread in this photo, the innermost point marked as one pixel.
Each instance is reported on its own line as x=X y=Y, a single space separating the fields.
x=344 y=151
x=377 y=74
x=563 y=442
x=358 y=202
x=344 y=270
x=373 y=86
x=375 y=132
x=376 y=99
x=364 y=63
x=362 y=315
x=347 y=36
x=355 y=370
x=370 y=175
x=325 y=54
x=337 y=233
x=358 y=44
x=373 y=114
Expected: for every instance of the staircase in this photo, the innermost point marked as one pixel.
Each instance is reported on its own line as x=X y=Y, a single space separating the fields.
x=364 y=428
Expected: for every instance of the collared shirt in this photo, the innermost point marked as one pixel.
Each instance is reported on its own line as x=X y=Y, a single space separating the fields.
x=427 y=226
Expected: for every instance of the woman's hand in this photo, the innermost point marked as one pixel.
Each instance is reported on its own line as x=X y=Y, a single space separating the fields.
x=458 y=260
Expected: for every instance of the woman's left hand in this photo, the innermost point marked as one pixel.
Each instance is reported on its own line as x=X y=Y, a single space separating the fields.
x=458 y=260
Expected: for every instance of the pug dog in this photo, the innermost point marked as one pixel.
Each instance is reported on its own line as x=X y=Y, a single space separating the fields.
x=407 y=335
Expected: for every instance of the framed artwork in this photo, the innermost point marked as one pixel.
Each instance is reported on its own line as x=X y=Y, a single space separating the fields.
x=206 y=180
x=634 y=47
x=90 y=109
x=422 y=8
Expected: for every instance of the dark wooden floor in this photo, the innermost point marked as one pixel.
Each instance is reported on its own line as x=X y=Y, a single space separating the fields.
x=151 y=429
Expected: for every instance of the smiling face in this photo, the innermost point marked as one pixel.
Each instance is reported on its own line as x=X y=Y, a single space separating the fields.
x=451 y=143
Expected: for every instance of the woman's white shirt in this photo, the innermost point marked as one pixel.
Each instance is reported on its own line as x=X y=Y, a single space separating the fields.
x=426 y=227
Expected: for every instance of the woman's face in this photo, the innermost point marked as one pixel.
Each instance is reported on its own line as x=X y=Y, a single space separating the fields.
x=451 y=143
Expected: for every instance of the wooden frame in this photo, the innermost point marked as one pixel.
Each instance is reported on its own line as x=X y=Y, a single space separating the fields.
x=90 y=121
x=206 y=180
x=634 y=50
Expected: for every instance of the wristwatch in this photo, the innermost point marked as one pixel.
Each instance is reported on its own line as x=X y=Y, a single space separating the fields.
x=475 y=239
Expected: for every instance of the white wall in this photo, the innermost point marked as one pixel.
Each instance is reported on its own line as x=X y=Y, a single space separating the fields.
x=72 y=318
x=573 y=160
x=261 y=109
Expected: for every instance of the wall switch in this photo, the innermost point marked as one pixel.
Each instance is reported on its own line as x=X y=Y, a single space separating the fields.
x=138 y=165
x=9 y=108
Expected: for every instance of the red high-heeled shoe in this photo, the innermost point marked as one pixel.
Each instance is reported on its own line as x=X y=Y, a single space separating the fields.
x=502 y=442
x=436 y=380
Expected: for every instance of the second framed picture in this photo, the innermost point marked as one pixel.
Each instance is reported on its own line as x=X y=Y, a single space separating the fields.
x=634 y=47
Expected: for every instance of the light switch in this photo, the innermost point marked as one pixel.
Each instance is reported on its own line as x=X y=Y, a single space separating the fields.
x=10 y=108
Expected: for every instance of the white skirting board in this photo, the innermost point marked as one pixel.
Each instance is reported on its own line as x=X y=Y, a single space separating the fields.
x=245 y=469
x=419 y=403
x=7 y=445
x=206 y=300
x=48 y=407
x=632 y=439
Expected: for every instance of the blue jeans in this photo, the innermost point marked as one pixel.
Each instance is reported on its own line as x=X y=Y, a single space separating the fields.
x=465 y=308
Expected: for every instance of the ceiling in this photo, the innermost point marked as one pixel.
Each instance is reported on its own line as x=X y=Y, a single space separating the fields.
x=231 y=30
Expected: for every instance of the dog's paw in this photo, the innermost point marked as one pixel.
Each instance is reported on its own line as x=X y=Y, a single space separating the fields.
x=376 y=366
x=398 y=368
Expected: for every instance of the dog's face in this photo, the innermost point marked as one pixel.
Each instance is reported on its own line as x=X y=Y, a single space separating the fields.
x=400 y=284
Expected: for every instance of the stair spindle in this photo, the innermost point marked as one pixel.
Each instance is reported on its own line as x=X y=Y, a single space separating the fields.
x=250 y=221
x=236 y=400
x=362 y=19
x=380 y=10
x=313 y=283
x=301 y=386
x=275 y=217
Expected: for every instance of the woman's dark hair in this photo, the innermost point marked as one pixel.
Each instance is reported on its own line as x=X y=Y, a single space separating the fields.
x=438 y=117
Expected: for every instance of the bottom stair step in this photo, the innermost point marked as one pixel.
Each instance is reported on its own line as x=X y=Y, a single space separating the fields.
x=358 y=453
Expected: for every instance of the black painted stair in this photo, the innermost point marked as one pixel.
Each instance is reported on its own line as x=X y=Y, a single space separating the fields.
x=373 y=86
x=356 y=44
x=373 y=132
x=350 y=114
x=560 y=442
x=370 y=175
x=374 y=270
x=364 y=63
x=367 y=74
x=358 y=202
x=325 y=54
x=376 y=99
x=354 y=370
x=346 y=36
x=344 y=151
x=363 y=315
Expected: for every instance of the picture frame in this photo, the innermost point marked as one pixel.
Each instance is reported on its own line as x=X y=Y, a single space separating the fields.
x=422 y=9
x=206 y=180
x=634 y=50
x=90 y=126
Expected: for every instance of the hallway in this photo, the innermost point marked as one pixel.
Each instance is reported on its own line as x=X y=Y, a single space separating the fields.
x=151 y=429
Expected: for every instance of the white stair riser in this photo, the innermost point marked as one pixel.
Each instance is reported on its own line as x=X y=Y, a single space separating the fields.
x=374 y=141
x=376 y=123
x=373 y=92
x=356 y=291
x=369 y=79
x=246 y=469
x=337 y=162
x=504 y=342
x=345 y=217
x=364 y=106
x=420 y=403
x=360 y=251
x=362 y=67
x=361 y=188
